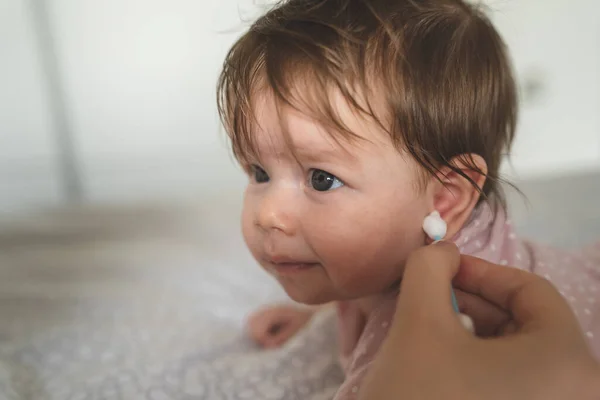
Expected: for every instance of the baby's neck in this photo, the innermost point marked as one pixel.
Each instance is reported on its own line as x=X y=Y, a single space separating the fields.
x=367 y=304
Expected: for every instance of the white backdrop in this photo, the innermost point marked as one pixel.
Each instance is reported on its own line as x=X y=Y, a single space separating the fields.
x=139 y=82
x=28 y=173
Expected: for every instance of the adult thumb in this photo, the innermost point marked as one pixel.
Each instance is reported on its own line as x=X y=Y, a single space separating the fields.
x=425 y=291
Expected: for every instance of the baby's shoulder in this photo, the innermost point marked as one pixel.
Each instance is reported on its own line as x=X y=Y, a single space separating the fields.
x=545 y=258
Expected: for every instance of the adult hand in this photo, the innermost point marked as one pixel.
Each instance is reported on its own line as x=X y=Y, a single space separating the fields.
x=538 y=351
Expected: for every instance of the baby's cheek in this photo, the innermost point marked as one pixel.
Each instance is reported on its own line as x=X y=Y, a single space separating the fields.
x=358 y=264
x=249 y=231
x=246 y=226
x=367 y=256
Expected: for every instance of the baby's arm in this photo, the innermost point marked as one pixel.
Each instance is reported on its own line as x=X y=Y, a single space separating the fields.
x=274 y=325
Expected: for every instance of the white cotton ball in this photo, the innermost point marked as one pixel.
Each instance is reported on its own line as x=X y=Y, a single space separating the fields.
x=467 y=322
x=434 y=226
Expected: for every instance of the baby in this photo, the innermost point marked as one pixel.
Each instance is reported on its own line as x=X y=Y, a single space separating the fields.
x=356 y=119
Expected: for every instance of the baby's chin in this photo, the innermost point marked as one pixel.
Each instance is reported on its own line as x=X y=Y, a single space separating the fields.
x=315 y=298
x=310 y=299
x=313 y=287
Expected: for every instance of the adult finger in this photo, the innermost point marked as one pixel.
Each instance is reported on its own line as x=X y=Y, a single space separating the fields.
x=489 y=319
x=528 y=297
x=425 y=292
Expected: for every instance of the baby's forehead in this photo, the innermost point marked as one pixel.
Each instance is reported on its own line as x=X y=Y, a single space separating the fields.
x=303 y=127
x=282 y=136
x=295 y=135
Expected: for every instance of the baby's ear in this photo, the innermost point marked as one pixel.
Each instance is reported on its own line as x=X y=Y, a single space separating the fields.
x=456 y=196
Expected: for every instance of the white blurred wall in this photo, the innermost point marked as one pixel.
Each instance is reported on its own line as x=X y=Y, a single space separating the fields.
x=141 y=78
x=558 y=42
x=139 y=84
x=28 y=172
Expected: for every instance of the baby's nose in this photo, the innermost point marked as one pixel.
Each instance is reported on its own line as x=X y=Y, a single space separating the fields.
x=278 y=210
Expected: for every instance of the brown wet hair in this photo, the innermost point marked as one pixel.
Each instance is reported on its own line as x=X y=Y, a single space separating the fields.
x=434 y=74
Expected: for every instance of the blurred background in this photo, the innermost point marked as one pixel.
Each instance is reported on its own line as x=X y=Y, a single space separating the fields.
x=123 y=274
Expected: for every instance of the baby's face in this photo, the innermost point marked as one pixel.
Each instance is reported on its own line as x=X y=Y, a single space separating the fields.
x=330 y=221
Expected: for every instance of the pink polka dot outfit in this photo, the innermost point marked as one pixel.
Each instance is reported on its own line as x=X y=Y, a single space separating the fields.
x=575 y=273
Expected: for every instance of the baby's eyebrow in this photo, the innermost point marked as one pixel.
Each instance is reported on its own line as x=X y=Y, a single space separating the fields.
x=312 y=154
x=323 y=154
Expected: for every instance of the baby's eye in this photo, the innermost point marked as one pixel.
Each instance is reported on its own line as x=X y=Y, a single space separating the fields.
x=258 y=174
x=323 y=181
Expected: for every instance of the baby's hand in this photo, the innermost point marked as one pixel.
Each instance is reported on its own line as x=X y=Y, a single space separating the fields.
x=273 y=326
